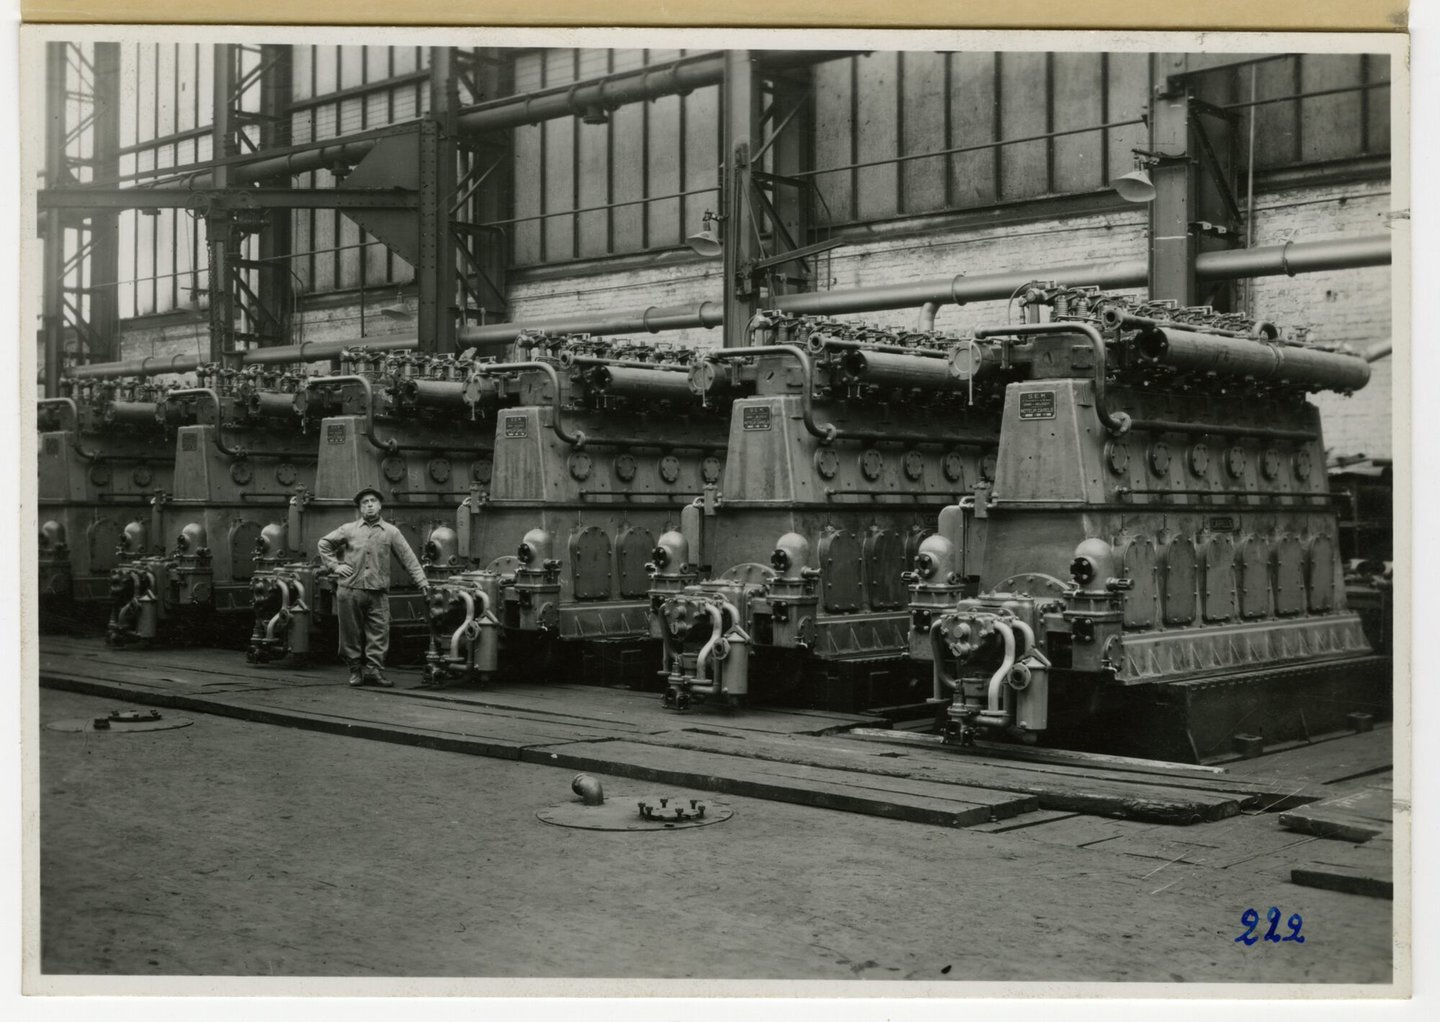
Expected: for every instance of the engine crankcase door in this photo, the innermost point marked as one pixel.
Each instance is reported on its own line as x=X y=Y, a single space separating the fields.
x=884 y=561
x=1252 y=563
x=410 y=532
x=1321 y=575
x=1178 y=591
x=1289 y=576
x=841 y=571
x=590 y=563
x=244 y=535
x=104 y=536
x=633 y=547
x=1219 y=578
x=1137 y=563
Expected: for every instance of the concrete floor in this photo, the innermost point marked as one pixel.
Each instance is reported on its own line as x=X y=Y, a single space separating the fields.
x=236 y=849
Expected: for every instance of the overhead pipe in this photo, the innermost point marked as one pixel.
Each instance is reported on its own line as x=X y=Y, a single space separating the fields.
x=306 y=351
x=1290 y=258
x=150 y=366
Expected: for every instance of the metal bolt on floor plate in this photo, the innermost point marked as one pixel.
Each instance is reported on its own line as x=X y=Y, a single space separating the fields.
x=627 y=812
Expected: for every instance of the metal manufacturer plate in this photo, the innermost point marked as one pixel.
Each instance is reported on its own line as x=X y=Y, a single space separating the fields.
x=335 y=433
x=516 y=426
x=755 y=418
x=188 y=442
x=1037 y=404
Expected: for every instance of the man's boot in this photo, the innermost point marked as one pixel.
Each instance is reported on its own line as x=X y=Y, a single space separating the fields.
x=356 y=678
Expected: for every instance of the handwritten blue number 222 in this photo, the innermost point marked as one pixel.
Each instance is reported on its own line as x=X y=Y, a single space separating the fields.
x=1251 y=919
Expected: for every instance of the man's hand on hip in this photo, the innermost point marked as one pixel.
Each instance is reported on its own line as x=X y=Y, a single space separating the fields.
x=344 y=571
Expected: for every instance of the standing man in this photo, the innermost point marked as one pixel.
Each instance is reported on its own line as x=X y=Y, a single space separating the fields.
x=362 y=596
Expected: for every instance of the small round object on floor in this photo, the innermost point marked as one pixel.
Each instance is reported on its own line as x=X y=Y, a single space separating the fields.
x=623 y=812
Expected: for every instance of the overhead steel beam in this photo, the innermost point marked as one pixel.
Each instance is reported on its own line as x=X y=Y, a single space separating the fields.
x=87 y=198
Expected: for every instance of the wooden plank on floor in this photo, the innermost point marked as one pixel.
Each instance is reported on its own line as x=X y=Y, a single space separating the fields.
x=1355 y=816
x=1346 y=879
x=802 y=785
x=1272 y=793
x=644 y=709
x=1331 y=761
x=1354 y=869
x=1024 y=821
x=1059 y=791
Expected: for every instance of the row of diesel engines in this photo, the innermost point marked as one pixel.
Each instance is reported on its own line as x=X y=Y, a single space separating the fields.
x=1075 y=518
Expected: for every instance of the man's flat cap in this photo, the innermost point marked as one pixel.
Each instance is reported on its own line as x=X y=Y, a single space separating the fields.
x=369 y=491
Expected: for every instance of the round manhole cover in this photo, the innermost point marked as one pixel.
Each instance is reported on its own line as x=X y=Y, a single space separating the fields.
x=625 y=812
x=121 y=722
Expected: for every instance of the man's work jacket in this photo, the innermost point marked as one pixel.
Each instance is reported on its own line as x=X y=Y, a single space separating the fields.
x=366 y=547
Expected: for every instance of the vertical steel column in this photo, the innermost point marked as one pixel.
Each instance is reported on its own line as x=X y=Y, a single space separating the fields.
x=274 y=286
x=104 y=270
x=221 y=235
x=52 y=226
x=1172 y=243
x=436 y=270
x=741 y=102
x=793 y=151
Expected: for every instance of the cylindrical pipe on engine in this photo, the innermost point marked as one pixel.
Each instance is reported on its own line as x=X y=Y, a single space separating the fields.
x=133 y=413
x=273 y=404
x=444 y=394
x=660 y=384
x=997 y=680
x=1255 y=358
x=459 y=632
x=702 y=659
x=906 y=371
x=938 y=653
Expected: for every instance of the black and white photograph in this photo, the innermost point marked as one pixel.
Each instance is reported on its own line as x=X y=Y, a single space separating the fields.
x=872 y=514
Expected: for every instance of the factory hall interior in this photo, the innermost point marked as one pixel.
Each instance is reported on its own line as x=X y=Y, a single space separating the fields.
x=853 y=515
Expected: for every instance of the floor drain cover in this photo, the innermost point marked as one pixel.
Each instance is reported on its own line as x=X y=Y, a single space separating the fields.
x=628 y=812
x=121 y=722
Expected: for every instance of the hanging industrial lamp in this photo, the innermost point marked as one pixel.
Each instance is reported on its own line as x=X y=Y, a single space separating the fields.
x=1135 y=186
x=705 y=243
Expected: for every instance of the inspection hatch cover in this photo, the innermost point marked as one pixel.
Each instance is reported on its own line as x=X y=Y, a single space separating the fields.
x=632 y=812
x=121 y=722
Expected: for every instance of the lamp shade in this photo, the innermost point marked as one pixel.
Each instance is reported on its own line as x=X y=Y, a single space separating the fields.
x=1135 y=186
x=704 y=243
